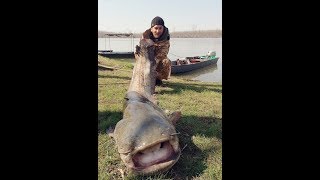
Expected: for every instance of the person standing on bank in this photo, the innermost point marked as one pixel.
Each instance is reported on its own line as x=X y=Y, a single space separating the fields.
x=159 y=34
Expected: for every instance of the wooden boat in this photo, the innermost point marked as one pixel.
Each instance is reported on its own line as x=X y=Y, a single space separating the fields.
x=192 y=63
x=112 y=54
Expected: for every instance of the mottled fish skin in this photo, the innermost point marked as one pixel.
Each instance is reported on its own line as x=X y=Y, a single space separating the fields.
x=146 y=138
x=144 y=71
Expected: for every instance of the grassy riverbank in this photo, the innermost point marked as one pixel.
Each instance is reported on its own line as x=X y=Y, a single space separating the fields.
x=200 y=126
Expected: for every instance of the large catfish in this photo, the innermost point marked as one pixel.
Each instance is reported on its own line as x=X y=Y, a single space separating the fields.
x=146 y=137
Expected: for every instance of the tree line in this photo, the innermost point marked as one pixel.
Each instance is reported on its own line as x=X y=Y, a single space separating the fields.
x=178 y=34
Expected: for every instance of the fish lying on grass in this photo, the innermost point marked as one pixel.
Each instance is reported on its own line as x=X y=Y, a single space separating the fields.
x=146 y=137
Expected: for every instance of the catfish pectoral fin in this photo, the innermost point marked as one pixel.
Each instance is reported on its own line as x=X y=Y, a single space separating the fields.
x=174 y=117
x=110 y=131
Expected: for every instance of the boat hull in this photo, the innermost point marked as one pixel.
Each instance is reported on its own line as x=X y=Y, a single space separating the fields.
x=117 y=54
x=176 y=69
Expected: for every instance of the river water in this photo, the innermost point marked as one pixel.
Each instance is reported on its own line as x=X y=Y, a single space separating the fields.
x=179 y=47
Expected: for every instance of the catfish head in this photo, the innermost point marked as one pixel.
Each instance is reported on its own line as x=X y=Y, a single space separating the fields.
x=146 y=137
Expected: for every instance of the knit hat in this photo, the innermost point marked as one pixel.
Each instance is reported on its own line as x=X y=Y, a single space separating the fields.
x=157 y=21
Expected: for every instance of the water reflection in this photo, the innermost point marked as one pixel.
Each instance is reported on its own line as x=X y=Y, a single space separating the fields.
x=205 y=74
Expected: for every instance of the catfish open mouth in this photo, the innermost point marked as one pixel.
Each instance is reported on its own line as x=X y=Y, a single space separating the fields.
x=160 y=153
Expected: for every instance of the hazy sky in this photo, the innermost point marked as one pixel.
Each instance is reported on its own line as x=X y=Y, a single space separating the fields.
x=179 y=15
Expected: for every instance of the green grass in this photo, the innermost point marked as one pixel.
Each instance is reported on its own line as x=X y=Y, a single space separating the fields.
x=200 y=126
